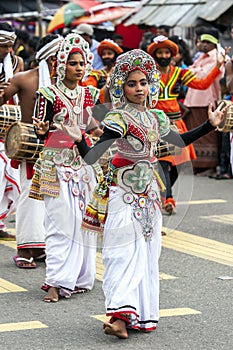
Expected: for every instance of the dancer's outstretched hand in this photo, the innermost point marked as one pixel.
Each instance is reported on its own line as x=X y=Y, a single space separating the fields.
x=216 y=116
x=71 y=129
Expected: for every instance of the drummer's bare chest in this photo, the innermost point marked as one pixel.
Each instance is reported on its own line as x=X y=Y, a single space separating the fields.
x=27 y=98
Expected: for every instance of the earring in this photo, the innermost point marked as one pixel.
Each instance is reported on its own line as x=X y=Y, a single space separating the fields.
x=61 y=71
x=53 y=72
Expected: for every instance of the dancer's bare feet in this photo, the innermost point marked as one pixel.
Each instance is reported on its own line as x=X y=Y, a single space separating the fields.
x=52 y=295
x=117 y=328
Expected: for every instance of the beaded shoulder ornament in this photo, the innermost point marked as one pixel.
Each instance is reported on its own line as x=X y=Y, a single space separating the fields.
x=134 y=60
x=73 y=41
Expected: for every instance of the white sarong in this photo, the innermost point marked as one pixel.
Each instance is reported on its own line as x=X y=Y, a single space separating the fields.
x=30 y=231
x=9 y=186
x=70 y=253
x=131 y=278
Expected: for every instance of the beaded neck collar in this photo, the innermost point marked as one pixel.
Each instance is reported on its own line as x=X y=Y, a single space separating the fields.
x=145 y=117
x=71 y=94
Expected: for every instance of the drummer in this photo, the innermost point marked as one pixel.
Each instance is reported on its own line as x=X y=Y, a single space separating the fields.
x=9 y=192
x=10 y=64
x=30 y=212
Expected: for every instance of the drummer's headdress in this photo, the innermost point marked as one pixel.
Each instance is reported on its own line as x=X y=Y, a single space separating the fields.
x=128 y=62
x=50 y=48
x=7 y=35
x=73 y=43
x=43 y=52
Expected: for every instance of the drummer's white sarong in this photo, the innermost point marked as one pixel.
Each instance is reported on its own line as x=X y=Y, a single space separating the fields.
x=131 y=279
x=30 y=231
x=9 y=186
x=70 y=253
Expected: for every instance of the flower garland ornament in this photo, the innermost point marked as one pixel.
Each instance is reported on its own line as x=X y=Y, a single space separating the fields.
x=159 y=39
x=109 y=44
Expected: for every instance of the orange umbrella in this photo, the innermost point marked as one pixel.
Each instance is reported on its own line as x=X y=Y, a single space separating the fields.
x=88 y=11
x=68 y=12
x=107 y=14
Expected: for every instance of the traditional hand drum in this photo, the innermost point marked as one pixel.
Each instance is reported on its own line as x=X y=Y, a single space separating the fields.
x=165 y=149
x=227 y=123
x=21 y=142
x=9 y=114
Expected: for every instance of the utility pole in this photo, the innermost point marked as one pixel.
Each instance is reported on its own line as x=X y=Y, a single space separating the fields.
x=39 y=9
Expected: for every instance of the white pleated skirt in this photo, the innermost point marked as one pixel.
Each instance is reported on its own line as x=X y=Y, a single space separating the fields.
x=70 y=253
x=131 y=278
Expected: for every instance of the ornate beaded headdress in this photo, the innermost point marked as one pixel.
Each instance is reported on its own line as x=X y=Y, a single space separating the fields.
x=128 y=62
x=70 y=43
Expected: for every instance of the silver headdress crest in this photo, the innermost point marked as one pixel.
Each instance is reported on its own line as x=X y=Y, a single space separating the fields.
x=128 y=62
x=70 y=43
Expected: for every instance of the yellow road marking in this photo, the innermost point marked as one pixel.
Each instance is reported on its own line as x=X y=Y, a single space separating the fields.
x=164 y=276
x=100 y=270
x=20 y=326
x=183 y=242
x=178 y=312
x=162 y=313
x=8 y=287
x=224 y=219
x=12 y=230
x=10 y=244
x=198 y=246
x=203 y=201
x=102 y=318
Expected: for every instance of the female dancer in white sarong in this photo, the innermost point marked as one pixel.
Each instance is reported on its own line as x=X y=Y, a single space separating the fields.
x=66 y=182
x=126 y=203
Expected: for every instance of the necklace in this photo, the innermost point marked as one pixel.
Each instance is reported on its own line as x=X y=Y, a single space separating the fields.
x=147 y=119
x=143 y=117
x=75 y=107
x=71 y=94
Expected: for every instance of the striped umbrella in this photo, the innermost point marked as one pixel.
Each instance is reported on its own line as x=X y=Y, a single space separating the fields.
x=70 y=11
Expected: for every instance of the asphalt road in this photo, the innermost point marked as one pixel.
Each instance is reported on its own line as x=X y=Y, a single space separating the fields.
x=196 y=305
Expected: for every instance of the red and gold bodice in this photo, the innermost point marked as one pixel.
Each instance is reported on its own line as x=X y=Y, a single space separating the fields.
x=140 y=132
x=55 y=106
